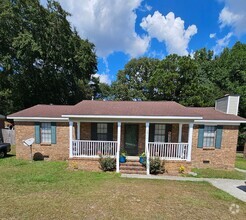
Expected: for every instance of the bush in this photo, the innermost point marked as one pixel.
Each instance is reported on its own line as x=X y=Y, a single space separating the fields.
x=156 y=166
x=107 y=163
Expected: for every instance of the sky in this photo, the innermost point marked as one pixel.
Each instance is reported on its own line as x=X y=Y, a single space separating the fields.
x=126 y=29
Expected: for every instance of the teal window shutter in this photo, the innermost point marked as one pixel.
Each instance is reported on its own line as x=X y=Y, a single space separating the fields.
x=200 y=136
x=151 y=132
x=218 y=139
x=93 y=131
x=110 y=131
x=37 y=132
x=53 y=133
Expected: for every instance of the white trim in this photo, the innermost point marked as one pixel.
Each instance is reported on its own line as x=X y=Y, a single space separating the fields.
x=41 y=119
x=78 y=130
x=130 y=117
x=180 y=132
x=221 y=122
x=190 y=135
x=118 y=147
x=147 y=147
x=70 y=139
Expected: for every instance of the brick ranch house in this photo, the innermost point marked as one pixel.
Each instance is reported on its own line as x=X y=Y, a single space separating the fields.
x=189 y=136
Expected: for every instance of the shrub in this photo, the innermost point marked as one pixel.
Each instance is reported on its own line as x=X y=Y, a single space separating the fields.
x=107 y=163
x=156 y=166
x=181 y=169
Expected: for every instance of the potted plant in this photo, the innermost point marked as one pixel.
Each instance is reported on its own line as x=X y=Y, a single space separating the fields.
x=123 y=156
x=142 y=158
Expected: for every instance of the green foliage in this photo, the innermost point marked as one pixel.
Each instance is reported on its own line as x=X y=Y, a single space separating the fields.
x=215 y=173
x=42 y=60
x=107 y=163
x=156 y=166
x=123 y=152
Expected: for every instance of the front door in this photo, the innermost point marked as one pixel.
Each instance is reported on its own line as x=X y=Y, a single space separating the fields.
x=131 y=139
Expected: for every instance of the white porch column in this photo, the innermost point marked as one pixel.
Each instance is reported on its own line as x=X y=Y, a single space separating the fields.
x=180 y=132
x=70 y=139
x=146 y=146
x=78 y=130
x=118 y=148
x=190 y=141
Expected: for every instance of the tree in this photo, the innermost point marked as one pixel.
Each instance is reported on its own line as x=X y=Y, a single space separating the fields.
x=42 y=60
x=133 y=82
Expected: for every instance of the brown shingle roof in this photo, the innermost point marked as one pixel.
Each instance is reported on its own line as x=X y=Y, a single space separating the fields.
x=125 y=108
x=209 y=113
x=50 y=111
x=131 y=108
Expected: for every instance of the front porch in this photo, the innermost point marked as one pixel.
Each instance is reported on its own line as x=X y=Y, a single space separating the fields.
x=169 y=141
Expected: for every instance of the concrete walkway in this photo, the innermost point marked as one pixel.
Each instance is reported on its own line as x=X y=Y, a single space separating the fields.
x=236 y=188
x=240 y=170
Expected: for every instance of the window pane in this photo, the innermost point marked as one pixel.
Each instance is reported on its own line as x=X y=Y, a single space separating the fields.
x=209 y=136
x=102 y=137
x=160 y=130
x=46 y=132
x=101 y=128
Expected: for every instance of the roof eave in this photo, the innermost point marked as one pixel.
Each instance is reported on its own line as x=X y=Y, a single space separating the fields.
x=130 y=117
x=55 y=119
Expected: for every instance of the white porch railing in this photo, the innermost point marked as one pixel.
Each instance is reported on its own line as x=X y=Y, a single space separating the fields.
x=168 y=151
x=88 y=148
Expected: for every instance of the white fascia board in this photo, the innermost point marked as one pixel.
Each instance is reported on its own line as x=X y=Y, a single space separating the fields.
x=38 y=119
x=130 y=117
x=219 y=122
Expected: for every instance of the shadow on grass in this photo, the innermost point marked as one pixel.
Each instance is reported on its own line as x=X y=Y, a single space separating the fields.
x=243 y=188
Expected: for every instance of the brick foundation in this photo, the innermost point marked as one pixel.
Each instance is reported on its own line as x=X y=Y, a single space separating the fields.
x=172 y=167
x=87 y=164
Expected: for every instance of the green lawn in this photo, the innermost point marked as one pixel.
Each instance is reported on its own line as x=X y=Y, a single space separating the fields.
x=215 y=173
x=240 y=161
x=48 y=190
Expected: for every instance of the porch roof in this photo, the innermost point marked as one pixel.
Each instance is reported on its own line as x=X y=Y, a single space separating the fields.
x=131 y=109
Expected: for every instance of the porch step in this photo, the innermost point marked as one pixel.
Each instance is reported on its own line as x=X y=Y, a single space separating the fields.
x=140 y=168
x=133 y=172
x=132 y=167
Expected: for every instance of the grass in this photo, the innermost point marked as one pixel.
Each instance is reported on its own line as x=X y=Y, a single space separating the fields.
x=240 y=161
x=48 y=190
x=215 y=173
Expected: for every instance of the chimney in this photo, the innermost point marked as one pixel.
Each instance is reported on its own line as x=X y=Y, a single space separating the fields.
x=228 y=104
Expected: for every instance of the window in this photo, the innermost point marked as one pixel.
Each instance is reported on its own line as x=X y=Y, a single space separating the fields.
x=102 y=130
x=45 y=132
x=209 y=136
x=160 y=130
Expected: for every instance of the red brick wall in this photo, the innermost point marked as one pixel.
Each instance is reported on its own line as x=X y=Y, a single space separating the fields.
x=58 y=151
x=218 y=158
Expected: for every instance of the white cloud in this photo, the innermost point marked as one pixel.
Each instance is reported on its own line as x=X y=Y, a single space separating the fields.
x=213 y=35
x=169 y=30
x=233 y=15
x=222 y=43
x=103 y=78
x=109 y=24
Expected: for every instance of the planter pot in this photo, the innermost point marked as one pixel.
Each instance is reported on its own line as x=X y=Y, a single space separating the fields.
x=122 y=159
x=142 y=160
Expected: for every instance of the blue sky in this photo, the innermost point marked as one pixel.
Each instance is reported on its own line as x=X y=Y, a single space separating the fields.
x=125 y=29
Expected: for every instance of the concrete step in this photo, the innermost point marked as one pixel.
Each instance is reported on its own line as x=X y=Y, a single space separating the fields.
x=133 y=172
x=131 y=164
x=140 y=168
